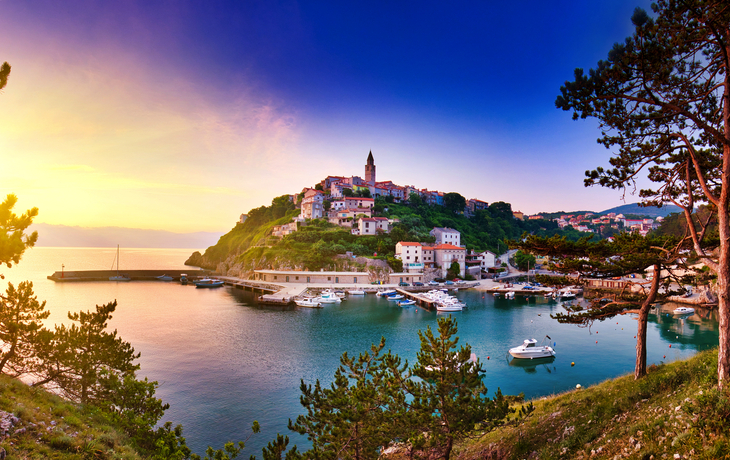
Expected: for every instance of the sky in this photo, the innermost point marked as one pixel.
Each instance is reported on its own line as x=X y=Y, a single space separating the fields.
x=182 y=115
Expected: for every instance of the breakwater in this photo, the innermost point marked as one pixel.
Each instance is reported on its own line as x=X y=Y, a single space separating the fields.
x=134 y=275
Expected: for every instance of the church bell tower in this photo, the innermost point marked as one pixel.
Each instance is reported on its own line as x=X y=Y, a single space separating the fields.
x=370 y=170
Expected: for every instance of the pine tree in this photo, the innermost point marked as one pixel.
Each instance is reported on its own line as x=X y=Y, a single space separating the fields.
x=663 y=102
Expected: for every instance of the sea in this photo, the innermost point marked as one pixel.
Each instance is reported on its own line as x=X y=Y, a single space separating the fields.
x=223 y=361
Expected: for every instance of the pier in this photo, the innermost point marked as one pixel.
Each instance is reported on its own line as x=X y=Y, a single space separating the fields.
x=65 y=276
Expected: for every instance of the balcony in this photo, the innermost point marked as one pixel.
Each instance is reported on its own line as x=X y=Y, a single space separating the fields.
x=413 y=267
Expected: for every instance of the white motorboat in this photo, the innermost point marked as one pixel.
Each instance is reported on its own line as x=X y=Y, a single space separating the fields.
x=566 y=295
x=394 y=297
x=406 y=303
x=312 y=302
x=530 y=350
x=386 y=292
x=329 y=297
x=684 y=311
x=356 y=292
x=510 y=295
x=164 y=278
x=448 y=307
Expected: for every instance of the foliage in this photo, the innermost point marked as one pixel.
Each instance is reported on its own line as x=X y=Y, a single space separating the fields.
x=353 y=418
x=249 y=234
x=454 y=270
x=454 y=202
x=88 y=362
x=4 y=73
x=21 y=317
x=524 y=260
x=13 y=240
x=451 y=397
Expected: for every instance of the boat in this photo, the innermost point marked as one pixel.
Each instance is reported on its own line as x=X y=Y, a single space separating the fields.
x=566 y=295
x=530 y=350
x=356 y=292
x=510 y=295
x=386 y=292
x=183 y=279
x=208 y=283
x=311 y=302
x=164 y=278
x=328 y=296
x=448 y=307
x=684 y=311
x=118 y=277
x=406 y=303
x=394 y=297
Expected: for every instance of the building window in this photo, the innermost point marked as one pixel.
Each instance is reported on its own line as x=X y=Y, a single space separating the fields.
x=296 y=278
x=329 y=278
x=287 y=279
x=354 y=280
x=337 y=279
x=307 y=279
x=275 y=276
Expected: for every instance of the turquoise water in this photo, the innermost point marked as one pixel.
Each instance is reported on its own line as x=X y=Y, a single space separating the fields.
x=222 y=361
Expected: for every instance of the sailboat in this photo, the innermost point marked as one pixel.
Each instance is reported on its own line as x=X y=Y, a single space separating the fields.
x=118 y=277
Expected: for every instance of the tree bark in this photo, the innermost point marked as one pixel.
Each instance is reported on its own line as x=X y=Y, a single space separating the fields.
x=723 y=273
x=640 y=369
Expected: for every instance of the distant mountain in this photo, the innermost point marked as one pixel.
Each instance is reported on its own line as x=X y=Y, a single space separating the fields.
x=98 y=237
x=650 y=211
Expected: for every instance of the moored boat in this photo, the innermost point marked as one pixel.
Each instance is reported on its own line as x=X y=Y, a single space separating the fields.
x=312 y=302
x=208 y=283
x=356 y=292
x=530 y=350
x=684 y=310
x=406 y=303
x=394 y=297
x=164 y=278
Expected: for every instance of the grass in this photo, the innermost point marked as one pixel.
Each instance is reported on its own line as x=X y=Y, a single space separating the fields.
x=49 y=427
x=675 y=411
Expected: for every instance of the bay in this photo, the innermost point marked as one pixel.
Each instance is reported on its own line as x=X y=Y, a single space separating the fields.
x=222 y=361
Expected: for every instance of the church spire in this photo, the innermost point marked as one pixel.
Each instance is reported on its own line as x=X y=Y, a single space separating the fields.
x=370 y=169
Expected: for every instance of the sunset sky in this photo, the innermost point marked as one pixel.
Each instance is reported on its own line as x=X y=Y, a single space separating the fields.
x=181 y=115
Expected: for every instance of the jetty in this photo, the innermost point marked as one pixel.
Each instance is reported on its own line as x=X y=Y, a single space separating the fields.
x=65 y=276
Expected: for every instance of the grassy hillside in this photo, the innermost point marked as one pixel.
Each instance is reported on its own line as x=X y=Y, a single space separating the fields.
x=674 y=412
x=47 y=427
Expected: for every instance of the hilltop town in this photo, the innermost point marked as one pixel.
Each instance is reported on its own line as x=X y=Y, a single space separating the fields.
x=394 y=233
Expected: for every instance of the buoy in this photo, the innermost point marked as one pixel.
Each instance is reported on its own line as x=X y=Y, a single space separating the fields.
x=596 y=341
x=634 y=336
x=573 y=363
x=622 y=329
x=596 y=332
x=670 y=345
x=578 y=387
x=487 y=358
x=616 y=322
x=665 y=356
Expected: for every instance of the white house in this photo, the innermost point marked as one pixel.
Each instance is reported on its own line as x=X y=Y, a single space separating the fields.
x=371 y=225
x=446 y=236
x=411 y=254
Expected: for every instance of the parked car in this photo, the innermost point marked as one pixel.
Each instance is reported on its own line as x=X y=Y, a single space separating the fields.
x=433 y=283
x=418 y=283
x=449 y=283
x=403 y=283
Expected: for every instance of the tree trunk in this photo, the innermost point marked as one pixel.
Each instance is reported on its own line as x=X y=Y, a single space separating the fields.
x=723 y=279
x=640 y=369
x=723 y=272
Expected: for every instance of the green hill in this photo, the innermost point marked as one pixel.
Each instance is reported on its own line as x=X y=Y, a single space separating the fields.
x=649 y=211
